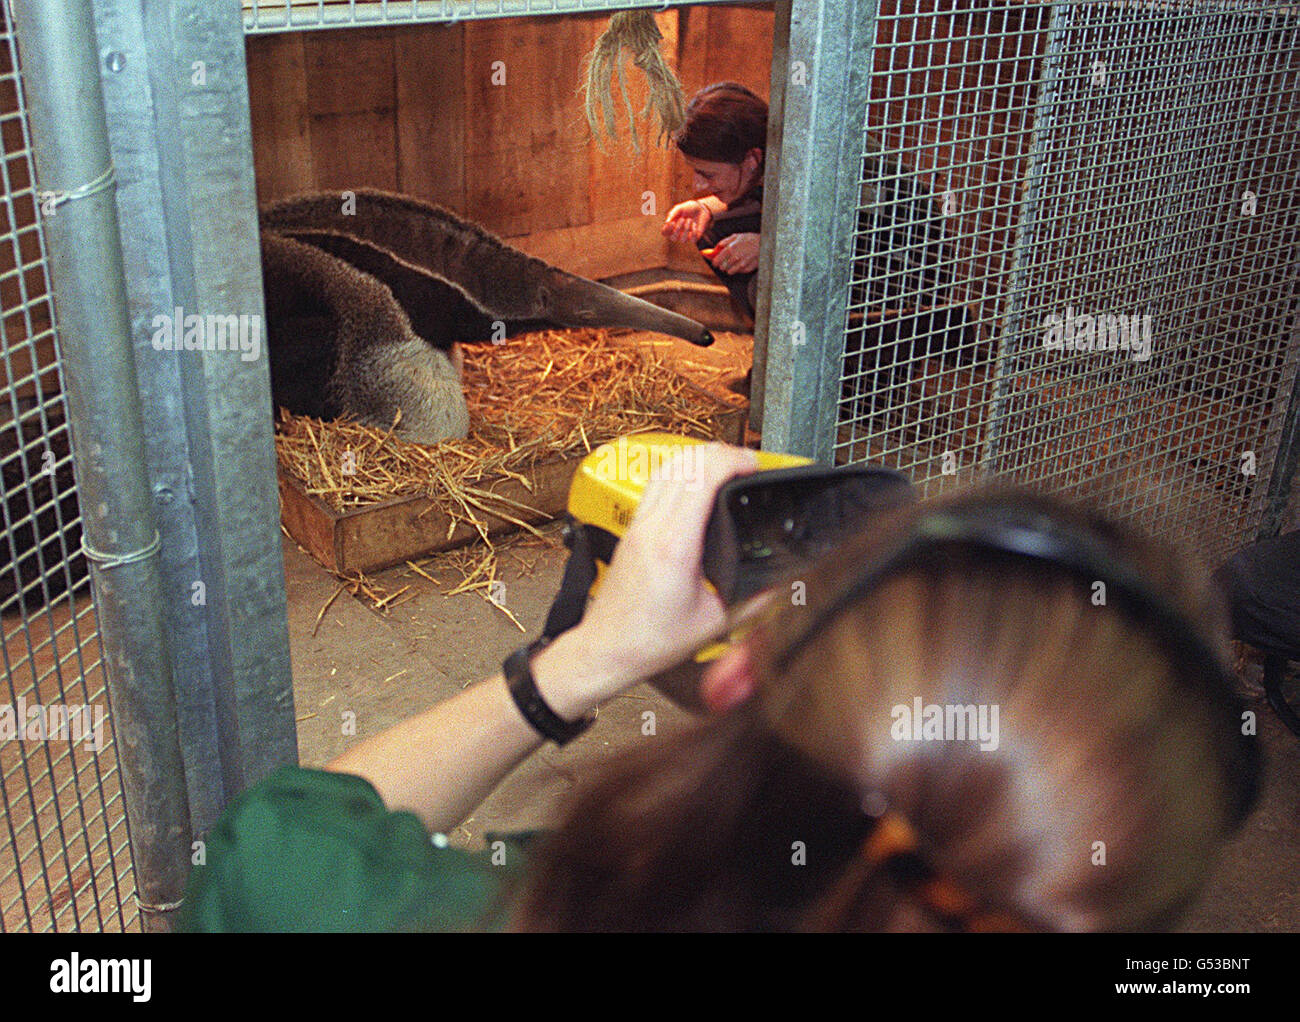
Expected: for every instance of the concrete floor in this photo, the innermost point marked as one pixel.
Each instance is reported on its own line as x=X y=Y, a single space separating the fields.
x=1256 y=888
x=386 y=667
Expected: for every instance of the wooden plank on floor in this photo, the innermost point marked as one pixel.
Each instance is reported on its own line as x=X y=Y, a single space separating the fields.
x=394 y=532
x=380 y=535
x=309 y=521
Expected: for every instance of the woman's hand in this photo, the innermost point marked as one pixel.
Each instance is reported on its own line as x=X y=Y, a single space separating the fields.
x=654 y=607
x=687 y=221
x=737 y=253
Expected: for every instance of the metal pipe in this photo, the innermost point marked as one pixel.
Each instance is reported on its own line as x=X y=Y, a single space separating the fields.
x=824 y=107
x=182 y=145
x=676 y=287
x=771 y=203
x=1278 y=496
x=1009 y=342
x=79 y=215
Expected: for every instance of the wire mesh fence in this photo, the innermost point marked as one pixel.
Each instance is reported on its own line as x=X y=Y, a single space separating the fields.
x=65 y=861
x=1077 y=252
x=294 y=15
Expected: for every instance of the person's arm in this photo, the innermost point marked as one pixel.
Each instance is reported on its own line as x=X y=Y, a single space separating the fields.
x=442 y=763
x=687 y=221
x=652 y=610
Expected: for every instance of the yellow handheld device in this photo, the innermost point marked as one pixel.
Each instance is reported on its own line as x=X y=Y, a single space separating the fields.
x=787 y=514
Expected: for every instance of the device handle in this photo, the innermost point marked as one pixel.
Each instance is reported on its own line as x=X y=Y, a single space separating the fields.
x=579 y=576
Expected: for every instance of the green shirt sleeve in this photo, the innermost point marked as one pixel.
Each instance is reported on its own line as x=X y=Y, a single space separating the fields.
x=309 y=850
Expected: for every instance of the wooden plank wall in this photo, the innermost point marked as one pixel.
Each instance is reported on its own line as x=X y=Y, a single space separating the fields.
x=485 y=118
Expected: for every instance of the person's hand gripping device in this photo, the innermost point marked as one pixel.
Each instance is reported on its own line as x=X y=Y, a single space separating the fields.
x=763 y=525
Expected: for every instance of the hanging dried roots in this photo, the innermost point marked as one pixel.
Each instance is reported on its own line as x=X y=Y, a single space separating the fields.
x=636 y=32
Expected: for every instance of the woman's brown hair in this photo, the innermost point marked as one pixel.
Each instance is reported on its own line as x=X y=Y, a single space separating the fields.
x=724 y=121
x=1117 y=770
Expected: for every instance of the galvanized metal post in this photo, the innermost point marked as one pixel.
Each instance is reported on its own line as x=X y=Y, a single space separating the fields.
x=176 y=89
x=771 y=201
x=1286 y=458
x=70 y=137
x=1008 y=340
x=825 y=101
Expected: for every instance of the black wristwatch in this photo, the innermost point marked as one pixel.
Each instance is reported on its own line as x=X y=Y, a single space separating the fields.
x=523 y=689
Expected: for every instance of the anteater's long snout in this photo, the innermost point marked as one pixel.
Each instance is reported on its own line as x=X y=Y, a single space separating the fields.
x=579 y=302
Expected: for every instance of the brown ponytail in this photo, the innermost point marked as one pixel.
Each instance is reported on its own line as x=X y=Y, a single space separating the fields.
x=1100 y=808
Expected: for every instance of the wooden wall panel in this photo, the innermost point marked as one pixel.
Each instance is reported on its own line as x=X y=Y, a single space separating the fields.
x=429 y=67
x=415 y=109
x=350 y=72
x=615 y=163
x=525 y=147
x=739 y=44
x=355 y=151
x=283 y=159
x=600 y=249
x=353 y=113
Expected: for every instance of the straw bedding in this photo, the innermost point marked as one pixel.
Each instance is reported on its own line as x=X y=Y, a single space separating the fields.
x=538 y=397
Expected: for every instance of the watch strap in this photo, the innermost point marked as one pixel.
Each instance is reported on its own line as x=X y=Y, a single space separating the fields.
x=523 y=690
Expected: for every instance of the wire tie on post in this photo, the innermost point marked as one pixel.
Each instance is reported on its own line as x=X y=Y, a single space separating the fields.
x=159 y=908
x=107 y=562
x=54 y=199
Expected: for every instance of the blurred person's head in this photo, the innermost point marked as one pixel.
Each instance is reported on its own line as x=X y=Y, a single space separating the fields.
x=723 y=140
x=1106 y=768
